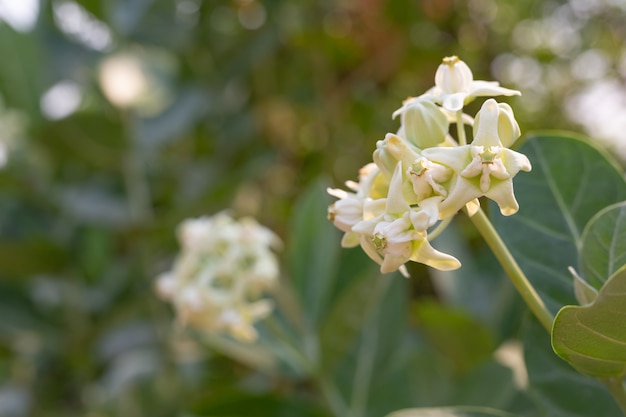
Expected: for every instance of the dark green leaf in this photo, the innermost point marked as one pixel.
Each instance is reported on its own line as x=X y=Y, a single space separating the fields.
x=593 y=338
x=556 y=387
x=570 y=182
x=603 y=248
x=314 y=247
x=461 y=339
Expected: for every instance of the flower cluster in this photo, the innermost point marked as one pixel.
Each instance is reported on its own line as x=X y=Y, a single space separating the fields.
x=218 y=280
x=421 y=176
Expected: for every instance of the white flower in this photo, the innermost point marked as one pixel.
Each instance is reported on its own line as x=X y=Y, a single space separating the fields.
x=223 y=268
x=349 y=209
x=396 y=234
x=484 y=168
x=427 y=178
x=455 y=85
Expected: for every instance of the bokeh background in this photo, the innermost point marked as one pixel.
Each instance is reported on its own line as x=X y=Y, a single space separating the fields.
x=121 y=118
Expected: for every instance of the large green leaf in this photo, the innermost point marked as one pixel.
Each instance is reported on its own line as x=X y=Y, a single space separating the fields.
x=603 y=249
x=339 y=331
x=450 y=412
x=593 y=338
x=462 y=340
x=570 y=182
x=373 y=376
x=558 y=389
x=314 y=249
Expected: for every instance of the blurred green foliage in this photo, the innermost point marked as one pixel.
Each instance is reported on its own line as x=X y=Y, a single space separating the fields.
x=246 y=105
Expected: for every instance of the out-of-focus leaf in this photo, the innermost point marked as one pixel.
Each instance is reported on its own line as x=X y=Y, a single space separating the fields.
x=592 y=338
x=451 y=412
x=230 y=403
x=557 y=388
x=29 y=257
x=344 y=321
x=461 y=339
x=313 y=252
x=570 y=182
x=92 y=205
x=374 y=378
x=125 y=16
x=603 y=249
x=480 y=287
x=189 y=107
x=21 y=83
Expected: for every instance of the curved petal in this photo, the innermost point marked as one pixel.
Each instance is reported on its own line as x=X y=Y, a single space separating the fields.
x=461 y=193
x=480 y=88
x=424 y=253
x=400 y=150
x=503 y=195
x=396 y=204
x=515 y=161
x=350 y=240
x=454 y=102
x=370 y=250
x=392 y=263
x=427 y=214
x=456 y=158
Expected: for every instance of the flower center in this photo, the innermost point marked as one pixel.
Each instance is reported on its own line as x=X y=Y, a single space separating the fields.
x=379 y=241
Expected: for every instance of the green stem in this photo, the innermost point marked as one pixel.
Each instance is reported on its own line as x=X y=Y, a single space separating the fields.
x=460 y=128
x=515 y=273
x=367 y=351
x=617 y=389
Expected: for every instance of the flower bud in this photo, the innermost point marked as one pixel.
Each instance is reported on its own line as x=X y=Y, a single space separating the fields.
x=423 y=123
x=453 y=76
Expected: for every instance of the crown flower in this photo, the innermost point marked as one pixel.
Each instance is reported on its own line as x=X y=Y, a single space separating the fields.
x=455 y=86
x=224 y=268
x=422 y=176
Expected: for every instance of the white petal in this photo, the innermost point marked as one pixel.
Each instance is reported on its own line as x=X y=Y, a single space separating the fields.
x=502 y=194
x=461 y=193
x=391 y=263
x=454 y=102
x=350 y=240
x=490 y=88
x=456 y=158
x=424 y=253
x=515 y=161
x=396 y=204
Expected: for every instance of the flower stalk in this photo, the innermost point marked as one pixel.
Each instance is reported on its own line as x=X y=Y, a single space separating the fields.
x=512 y=269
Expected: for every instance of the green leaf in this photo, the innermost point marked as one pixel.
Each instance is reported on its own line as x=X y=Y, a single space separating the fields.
x=344 y=321
x=558 y=389
x=450 y=412
x=585 y=293
x=314 y=244
x=227 y=402
x=603 y=248
x=593 y=338
x=570 y=182
x=373 y=375
x=461 y=339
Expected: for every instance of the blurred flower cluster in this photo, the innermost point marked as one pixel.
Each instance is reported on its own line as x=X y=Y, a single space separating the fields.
x=218 y=280
x=422 y=176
